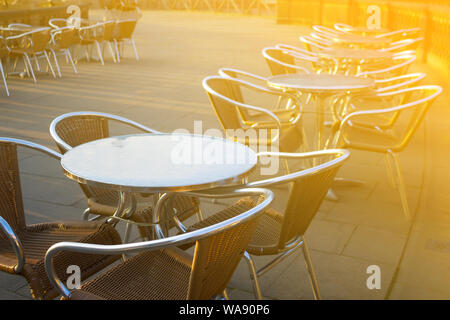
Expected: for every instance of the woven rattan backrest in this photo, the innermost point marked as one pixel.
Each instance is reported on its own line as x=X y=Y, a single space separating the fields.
x=76 y=130
x=276 y=68
x=126 y=28
x=66 y=38
x=305 y=198
x=226 y=111
x=108 y=31
x=11 y=205
x=216 y=258
x=40 y=40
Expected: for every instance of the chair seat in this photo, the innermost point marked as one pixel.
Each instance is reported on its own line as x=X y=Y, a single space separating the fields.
x=267 y=234
x=371 y=139
x=155 y=275
x=36 y=239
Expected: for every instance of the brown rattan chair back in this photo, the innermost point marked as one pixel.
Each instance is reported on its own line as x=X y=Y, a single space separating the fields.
x=108 y=30
x=216 y=258
x=273 y=56
x=125 y=29
x=11 y=204
x=225 y=110
x=65 y=37
x=305 y=198
x=40 y=39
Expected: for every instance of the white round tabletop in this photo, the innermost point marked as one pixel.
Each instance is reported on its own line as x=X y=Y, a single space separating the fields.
x=356 y=54
x=356 y=39
x=159 y=162
x=319 y=82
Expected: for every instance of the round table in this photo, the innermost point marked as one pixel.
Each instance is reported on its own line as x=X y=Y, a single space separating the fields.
x=157 y=163
x=321 y=86
x=359 y=41
x=351 y=59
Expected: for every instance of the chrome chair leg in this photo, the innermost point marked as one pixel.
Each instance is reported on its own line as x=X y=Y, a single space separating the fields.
x=117 y=50
x=69 y=57
x=225 y=295
x=401 y=185
x=199 y=215
x=58 y=69
x=134 y=48
x=312 y=274
x=389 y=170
x=99 y=51
x=4 y=78
x=253 y=276
x=30 y=67
x=49 y=64
x=111 y=51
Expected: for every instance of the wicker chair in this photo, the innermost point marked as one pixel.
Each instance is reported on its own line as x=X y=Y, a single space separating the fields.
x=282 y=61
x=161 y=271
x=279 y=233
x=125 y=30
x=388 y=130
x=72 y=129
x=62 y=40
x=22 y=246
x=234 y=114
x=31 y=44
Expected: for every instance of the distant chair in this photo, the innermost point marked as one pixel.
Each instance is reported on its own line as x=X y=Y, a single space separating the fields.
x=398 y=66
x=162 y=271
x=281 y=233
x=236 y=115
x=31 y=44
x=125 y=30
x=281 y=61
x=23 y=247
x=388 y=130
x=90 y=36
x=315 y=45
x=72 y=129
x=403 y=45
x=63 y=39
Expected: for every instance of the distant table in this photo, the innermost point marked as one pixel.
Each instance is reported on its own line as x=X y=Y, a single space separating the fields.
x=157 y=163
x=321 y=86
x=351 y=59
x=356 y=54
x=359 y=41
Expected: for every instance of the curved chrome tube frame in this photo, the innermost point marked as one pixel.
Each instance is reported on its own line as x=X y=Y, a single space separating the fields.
x=159 y=243
x=61 y=143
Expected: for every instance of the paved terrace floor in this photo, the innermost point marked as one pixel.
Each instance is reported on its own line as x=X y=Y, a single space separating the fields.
x=163 y=90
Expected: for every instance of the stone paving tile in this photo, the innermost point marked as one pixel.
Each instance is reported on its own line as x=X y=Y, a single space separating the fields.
x=375 y=245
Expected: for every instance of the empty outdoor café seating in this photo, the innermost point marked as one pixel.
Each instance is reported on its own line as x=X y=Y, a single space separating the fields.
x=162 y=271
x=72 y=129
x=388 y=129
x=62 y=40
x=280 y=234
x=124 y=35
x=23 y=246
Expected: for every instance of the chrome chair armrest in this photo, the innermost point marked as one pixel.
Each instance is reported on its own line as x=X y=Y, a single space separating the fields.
x=154 y=244
x=222 y=72
x=34 y=146
x=15 y=243
x=341 y=155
